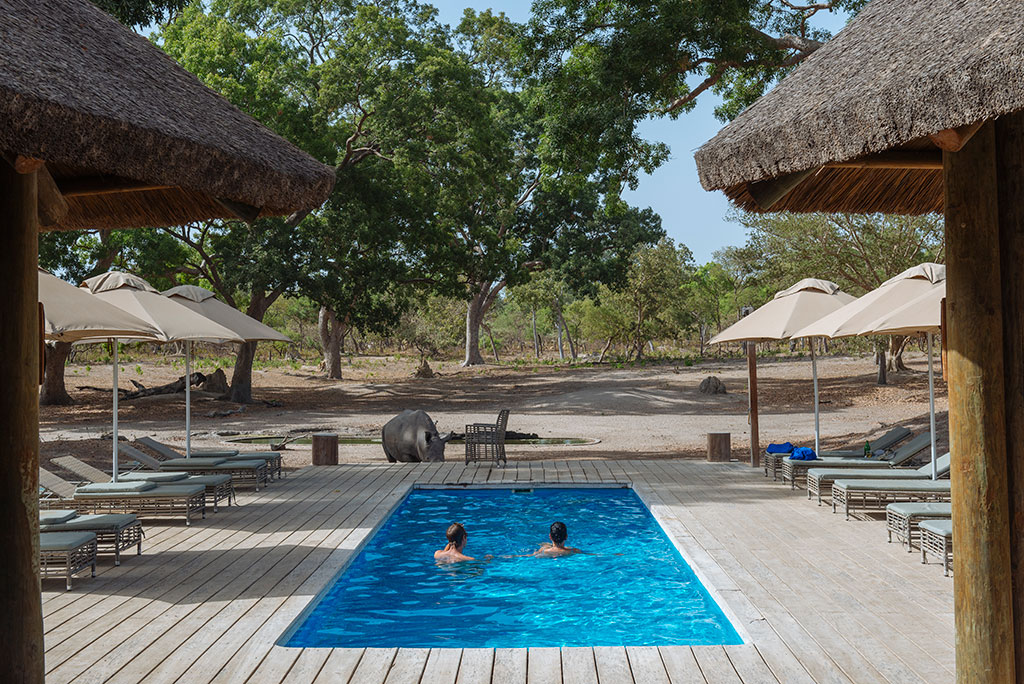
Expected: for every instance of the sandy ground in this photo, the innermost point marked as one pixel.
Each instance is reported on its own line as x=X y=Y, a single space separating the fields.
x=652 y=412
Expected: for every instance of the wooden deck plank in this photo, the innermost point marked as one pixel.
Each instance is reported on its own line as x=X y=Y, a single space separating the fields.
x=339 y=666
x=544 y=666
x=578 y=666
x=612 y=665
x=374 y=666
x=509 y=666
x=476 y=666
x=408 y=666
x=307 y=666
x=442 y=666
x=275 y=666
x=715 y=665
x=749 y=665
x=646 y=665
x=681 y=666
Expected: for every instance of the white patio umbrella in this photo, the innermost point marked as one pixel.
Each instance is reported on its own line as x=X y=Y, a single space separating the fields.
x=923 y=314
x=780 y=319
x=72 y=315
x=176 y=323
x=204 y=302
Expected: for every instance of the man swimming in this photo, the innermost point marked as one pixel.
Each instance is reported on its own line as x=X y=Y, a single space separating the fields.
x=452 y=552
x=558 y=534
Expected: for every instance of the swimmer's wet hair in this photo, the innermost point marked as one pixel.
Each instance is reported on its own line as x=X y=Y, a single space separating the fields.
x=456 y=533
x=558 y=532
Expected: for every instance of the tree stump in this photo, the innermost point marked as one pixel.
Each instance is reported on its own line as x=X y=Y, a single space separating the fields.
x=719 y=447
x=325 y=448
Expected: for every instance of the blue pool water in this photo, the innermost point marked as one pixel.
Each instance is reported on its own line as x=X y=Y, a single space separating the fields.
x=394 y=594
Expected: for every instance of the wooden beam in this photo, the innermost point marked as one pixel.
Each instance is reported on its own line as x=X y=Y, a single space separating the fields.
x=977 y=416
x=89 y=186
x=755 y=437
x=1009 y=132
x=21 y=612
x=895 y=159
x=954 y=139
x=23 y=164
x=52 y=206
x=768 y=193
x=245 y=212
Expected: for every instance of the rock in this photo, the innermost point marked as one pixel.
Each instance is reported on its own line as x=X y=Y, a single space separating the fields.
x=216 y=382
x=424 y=371
x=711 y=385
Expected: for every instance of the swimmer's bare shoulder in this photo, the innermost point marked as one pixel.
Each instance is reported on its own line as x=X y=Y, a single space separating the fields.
x=443 y=556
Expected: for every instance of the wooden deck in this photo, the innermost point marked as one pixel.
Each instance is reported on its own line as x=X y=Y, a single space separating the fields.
x=822 y=599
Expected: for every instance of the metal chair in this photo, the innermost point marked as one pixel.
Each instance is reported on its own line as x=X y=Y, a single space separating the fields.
x=486 y=441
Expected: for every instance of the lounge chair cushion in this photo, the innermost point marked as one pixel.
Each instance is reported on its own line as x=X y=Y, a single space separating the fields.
x=828 y=474
x=115 y=487
x=923 y=486
x=912 y=508
x=189 y=464
x=145 y=476
x=64 y=541
x=832 y=462
x=214 y=453
x=942 y=464
x=943 y=528
x=164 y=491
x=192 y=462
x=102 y=521
x=55 y=517
x=242 y=455
x=207 y=480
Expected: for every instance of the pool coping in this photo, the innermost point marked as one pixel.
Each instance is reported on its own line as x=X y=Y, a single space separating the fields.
x=646 y=495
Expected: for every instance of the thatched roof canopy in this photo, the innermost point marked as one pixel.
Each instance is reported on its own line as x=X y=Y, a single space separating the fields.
x=854 y=128
x=129 y=136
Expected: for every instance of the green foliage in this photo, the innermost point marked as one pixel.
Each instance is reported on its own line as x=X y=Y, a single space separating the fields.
x=141 y=13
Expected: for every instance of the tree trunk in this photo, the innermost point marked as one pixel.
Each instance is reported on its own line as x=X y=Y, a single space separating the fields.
x=474 y=316
x=897 y=344
x=241 y=377
x=536 y=342
x=561 y=349
x=494 y=348
x=331 y=333
x=882 y=367
x=54 y=392
x=568 y=336
x=607 y=346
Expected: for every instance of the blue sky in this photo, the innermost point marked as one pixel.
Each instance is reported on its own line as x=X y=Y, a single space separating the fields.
x=689 y=214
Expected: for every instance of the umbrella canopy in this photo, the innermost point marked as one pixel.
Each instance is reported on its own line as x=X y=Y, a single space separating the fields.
x=204 y=302
x=173 y=321
x=893 y=293
x=73 y=315
x=923 y=314
x=789 y=311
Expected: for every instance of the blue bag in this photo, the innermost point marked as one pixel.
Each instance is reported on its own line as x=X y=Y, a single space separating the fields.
x=803 y=454
x=784 y=448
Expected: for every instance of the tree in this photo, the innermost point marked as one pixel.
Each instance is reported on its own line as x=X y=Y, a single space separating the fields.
x=141 y=13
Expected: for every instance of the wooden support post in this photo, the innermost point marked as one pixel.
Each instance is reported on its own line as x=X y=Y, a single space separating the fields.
x=21 y=611
x=1009 y=144
x=719 y=447
x=977 y=419
x=755 y=437
x=325 y=448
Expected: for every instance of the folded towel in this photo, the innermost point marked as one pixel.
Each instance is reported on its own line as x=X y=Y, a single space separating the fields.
x=784 y=448
x=803 y=454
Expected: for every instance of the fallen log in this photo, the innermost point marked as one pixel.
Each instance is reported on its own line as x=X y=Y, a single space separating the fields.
x=170 y=388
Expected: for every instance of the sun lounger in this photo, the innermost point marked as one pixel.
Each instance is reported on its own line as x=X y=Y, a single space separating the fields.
x=877 y=494
x=937 y=537
x=218 y=486
x=820 y=479
x=145 y=499
x=902 y=519
x=64 y=554
x=254 y=471
x=879 y=446
x=273 y=458
x=114 y=532
x=792 y=470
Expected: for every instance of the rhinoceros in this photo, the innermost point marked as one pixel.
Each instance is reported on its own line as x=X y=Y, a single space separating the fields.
x=412 y=437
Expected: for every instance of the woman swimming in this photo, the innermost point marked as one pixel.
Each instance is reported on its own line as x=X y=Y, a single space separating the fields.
x=452 y=552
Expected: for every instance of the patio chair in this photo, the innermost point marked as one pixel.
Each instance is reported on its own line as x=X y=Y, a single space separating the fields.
x=145 y=499
x=114 y=532
x=879 y=446
x=820 y=479
x=486 y=441
x=218 y=486
x=793 y=470
x=937 y=537
x=877 y=494
x=64 y=554
x=902 y=519
x=272 y=458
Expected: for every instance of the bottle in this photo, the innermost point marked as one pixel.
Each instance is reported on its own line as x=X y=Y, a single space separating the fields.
x=867 y=449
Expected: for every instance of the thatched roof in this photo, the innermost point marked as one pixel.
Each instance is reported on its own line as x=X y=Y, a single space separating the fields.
x=901 y=71
x=107 y=110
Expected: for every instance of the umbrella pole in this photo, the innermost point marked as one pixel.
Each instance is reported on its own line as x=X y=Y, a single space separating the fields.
x=113 y=343
x=188 y=399
x=755 y=437
x=814 y=374
x=931 y=405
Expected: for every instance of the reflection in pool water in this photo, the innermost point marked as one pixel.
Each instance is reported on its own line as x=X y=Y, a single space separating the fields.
x=395 y=595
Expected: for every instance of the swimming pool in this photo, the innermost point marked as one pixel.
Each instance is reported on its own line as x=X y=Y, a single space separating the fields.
x=393 y=594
